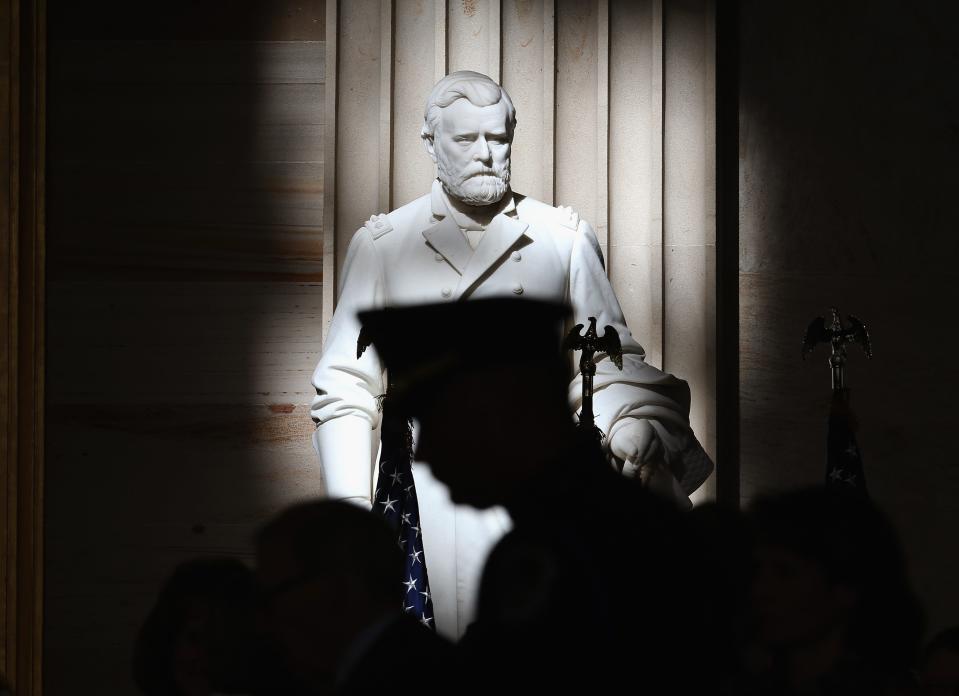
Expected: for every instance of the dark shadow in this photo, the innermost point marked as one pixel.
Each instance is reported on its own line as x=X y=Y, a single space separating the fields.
x=831 y=606
x=184 y=237
x=848 y=142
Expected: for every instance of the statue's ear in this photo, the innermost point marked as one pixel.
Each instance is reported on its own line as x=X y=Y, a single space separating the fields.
x=428 y=144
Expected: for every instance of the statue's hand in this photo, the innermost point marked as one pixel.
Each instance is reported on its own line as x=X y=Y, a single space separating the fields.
x=637 y=445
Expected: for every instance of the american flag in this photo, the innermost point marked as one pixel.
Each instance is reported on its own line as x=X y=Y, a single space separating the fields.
x=844 y=469
x=395 y=498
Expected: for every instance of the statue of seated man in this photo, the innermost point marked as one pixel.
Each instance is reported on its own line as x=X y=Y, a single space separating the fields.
x=471 y=236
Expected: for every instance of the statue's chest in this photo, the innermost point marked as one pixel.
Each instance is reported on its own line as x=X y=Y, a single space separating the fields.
x=414 y=273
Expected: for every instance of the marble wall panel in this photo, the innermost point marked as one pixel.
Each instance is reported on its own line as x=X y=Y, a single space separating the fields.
x=360 y=154
x=577 y=110
x=689 y=220
x=417 y=52
x=635 y=260
x=529 y=48
x=474 y=35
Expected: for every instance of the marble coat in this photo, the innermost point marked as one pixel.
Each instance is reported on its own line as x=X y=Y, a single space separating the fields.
x=418 y=254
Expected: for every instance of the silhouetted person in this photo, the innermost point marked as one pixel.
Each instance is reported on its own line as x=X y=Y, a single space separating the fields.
x=332 y=597
x=597 y=584
x=939 y=668
x=197 y=639
x=727 y=542
x=832 y=605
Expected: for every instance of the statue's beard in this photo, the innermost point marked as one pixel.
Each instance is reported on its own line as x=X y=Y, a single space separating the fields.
x=477 y=185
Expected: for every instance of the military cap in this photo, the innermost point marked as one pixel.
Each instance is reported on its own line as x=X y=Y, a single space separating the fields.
x=419 y=344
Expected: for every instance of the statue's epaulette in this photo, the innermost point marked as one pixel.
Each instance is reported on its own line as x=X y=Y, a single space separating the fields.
x=378 y=225
x=568 y=216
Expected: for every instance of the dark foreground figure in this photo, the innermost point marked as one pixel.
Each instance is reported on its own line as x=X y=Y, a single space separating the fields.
x=331 y=602
x=831 y=606
x=198 y=638
x=599 y=585
x=939 y=667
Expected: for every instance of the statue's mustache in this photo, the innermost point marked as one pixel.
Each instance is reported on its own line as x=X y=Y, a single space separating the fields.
x=482 y=172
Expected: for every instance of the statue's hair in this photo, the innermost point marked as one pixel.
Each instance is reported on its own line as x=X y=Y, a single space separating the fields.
x=479 y=89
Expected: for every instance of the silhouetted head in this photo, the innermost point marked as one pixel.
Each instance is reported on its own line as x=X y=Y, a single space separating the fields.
x=486 y=381
x=197 y=638
x=830 y=564
x=939 y=667
x=327 y=570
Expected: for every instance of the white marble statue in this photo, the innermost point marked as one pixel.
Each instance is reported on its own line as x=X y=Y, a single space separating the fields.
x=471 y=236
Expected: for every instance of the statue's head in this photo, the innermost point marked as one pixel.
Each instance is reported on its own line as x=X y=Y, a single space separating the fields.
x=468 y=130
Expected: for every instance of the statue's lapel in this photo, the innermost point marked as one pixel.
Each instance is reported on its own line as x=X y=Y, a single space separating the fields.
x=501 y=235
x=446 y=238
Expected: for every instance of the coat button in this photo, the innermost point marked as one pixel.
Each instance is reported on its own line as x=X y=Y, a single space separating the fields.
x=438 y=256
x=518 y=289
x=447 y=292
x=516 y=256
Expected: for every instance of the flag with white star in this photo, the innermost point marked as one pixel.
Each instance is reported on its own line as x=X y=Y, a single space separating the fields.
x=395 y=498
x=844 y=468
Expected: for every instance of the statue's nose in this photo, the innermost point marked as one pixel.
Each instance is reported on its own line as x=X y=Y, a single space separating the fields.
x=482 y=150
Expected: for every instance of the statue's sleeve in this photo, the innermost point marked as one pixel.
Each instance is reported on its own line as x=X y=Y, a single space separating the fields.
x=345 y=407
x=639 y=390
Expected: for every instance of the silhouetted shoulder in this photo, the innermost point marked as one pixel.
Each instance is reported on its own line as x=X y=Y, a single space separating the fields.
x=403 y=652
x=521 y=580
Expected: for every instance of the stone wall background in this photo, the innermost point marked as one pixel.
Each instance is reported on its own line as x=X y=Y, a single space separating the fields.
x=184 y=294
x=848 y=142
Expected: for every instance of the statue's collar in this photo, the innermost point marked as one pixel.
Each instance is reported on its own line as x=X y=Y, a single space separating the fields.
x=441 y=207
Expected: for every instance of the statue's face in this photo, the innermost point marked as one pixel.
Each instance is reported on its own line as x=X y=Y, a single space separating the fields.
x=471 y=148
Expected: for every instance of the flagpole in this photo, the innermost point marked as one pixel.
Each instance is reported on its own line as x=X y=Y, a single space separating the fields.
x=844 y=467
